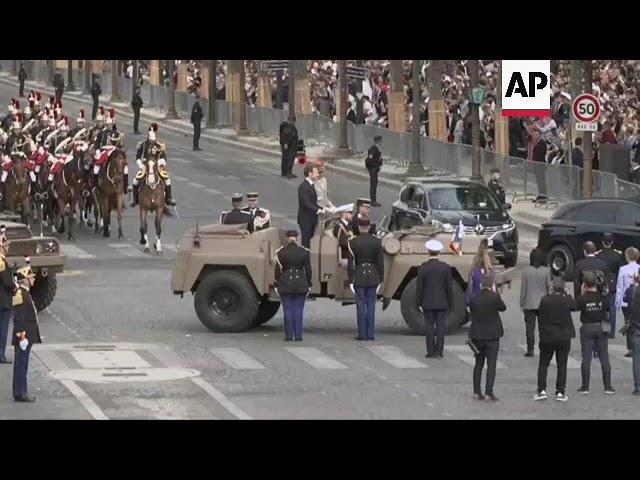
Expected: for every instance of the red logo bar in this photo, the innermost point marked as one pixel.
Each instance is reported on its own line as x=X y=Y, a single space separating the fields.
x=525 y=113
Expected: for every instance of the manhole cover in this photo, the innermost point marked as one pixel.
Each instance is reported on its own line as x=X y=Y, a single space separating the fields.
x=111 y=375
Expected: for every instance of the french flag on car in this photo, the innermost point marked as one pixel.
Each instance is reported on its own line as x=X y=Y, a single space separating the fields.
x=455 y=245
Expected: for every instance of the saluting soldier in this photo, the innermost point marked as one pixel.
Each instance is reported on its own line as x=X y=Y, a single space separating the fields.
x=7 y=289
x=292 y=281
x=494 y=185
x=343 y=231
x=259 y=217
x=613 y=259
x=366 y=273
x=25 y=331
x=364 y=210
x=237 y=215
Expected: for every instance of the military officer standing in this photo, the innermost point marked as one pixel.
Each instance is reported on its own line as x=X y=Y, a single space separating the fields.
x=292 y=281
x=58 y=85
x=7 y=289
x=22 y=76
x=494 y=185
x=260 y=218
x=96 y=91
x=237 y=215
x=366 y=273
x=613 y=259
x=374 y=164
x=343 y=231
x=25 y=331
x=136 y=105
x=196 y=120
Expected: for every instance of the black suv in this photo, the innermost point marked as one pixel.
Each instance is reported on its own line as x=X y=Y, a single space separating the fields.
x=562 y=237
x=450 y=201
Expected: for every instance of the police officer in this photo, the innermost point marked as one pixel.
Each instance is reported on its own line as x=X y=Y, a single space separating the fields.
x=374 y=164
x=366 y=273
x=236 y=215
x=96 y=91
x=494 y=185
x=343 y=231
x=288 y=144
x=292 y=281
x=136 y=105
x=58 y=85
x=25 y=331
x=260 y=218
x=7 y=289
x=613 y=259
x=196 y=120
x=22 y=76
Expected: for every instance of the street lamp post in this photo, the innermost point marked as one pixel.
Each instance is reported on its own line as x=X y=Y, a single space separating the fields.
x=50 y=78
x=172 y=114
x=292 y=89
x=87 y=77
x=476 y=154
x=415 y=168
x=135 y=81
x=211 y=118
x=70 y=86
x=115 y=94
x=587 y=140
x=344 y=95
x=359 y=95
x=242 y=120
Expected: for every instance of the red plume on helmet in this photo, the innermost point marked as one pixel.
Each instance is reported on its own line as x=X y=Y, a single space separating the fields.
x=19 y=115
x=112 y=112
x=82 y=114
x=52 y=100
x=101 y=110
x=13 y=101
x=17 y=104
x=302 y=160
x=66 y=120
x=32 y=103
x=154 y=126
x=38 y=96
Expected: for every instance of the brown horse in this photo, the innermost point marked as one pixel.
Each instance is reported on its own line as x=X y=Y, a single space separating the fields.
x=89 y=195
x=68 y=185
x=111 y=190
x=151 y=200
x=18 y=187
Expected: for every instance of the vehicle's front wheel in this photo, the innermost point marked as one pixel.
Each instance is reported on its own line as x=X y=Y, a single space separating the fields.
x=561 y=260
x=44 y=291
x=266 y=312
x=414 y=317
x=226 y=302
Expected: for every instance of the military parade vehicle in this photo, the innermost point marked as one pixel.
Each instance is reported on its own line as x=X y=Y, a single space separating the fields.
x=230 y=272
x=47 y=260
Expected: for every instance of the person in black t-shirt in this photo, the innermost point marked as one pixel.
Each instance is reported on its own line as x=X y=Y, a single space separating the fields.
x=593 y=308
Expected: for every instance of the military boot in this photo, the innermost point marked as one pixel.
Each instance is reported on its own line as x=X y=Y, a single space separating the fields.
x=167 y=196
x=136 y=195
x=125 y=183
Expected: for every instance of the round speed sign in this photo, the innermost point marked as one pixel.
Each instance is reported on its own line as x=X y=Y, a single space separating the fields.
x=586 y=108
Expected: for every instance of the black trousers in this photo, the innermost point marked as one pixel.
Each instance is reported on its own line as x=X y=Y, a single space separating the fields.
x=488 y=349
x=625 y=312
x=373 y=183
x=58 y=95
x=592 y=338
x=21 y=92
x=530 y=317
x=435 y=322
x=547 y=350
x=136 y=120
x=288 y=157
x=196 y=135
x=306 y=232
x=94 y=110
x=539 y=169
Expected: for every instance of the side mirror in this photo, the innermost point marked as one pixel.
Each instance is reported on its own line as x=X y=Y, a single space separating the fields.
x=507 y=206
x=637 y=223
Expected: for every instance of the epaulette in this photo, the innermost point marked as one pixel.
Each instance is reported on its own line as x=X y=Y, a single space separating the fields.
x=17 y=298
x=279 y=249
x=617 y=251
x=162 y=147
x=305 y=248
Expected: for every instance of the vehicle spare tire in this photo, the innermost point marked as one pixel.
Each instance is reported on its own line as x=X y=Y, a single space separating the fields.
x=266 y=311
x=414 y=318
x=44 y=291
x=226 y=302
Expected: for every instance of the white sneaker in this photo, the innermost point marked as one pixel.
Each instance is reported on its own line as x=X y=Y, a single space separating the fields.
x=561 y=397
x=540 y=396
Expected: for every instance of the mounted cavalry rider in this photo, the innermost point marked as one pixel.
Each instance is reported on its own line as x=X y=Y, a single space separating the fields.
x=31 y=125
x=115 y=141
x=80 y=132
x=17 y=142
x=260 y=217
x=47 y=130
x=153 y=148
x=95 y=133
x=10 y=117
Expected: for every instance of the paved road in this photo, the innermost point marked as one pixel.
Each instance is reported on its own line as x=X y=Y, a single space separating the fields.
x=119 y=345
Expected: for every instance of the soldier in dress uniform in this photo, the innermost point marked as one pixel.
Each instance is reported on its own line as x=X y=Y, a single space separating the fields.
x=260 y=217
x=25 y=331
x=292 y=282
x=95 y=132
x=237 y=215
x=494 y=185
x=373 y=163
x=79 y=133
x=614 y=260
x=153 y=147
x=363 y=205
x=366 y=273
x=8 y=119
x=343 y=231
x=7 y=289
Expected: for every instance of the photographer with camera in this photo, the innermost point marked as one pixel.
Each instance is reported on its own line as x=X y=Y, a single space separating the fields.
x=590 y=263
x=632 y=327
x=593 y=306
x=484 y=335
x=556 y=331
x=625 y=280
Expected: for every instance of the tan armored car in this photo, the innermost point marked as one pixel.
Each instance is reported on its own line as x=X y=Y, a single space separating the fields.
x=46 y=258
x=231 y=272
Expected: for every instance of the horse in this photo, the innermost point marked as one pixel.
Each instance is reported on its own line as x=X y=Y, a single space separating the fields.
x=67 y=184
x=111 y=190
x=151 y=199
x=45 y=206
x=18 y=187
x=89 y=196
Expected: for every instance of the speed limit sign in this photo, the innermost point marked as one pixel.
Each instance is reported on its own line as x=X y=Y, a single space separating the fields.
x=586 y=108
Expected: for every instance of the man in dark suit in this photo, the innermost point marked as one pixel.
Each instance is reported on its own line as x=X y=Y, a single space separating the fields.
x=58 y=85
x=7 y=289
x=434 y=297
x=292 y=280
x=374 y=164
x=589 y=263
x=485 y=333
x=366 y=273
x=196 y=120
x=288 y=144
x=308 y=208
x=351 y=115
x=613 y=259
x=577 y=157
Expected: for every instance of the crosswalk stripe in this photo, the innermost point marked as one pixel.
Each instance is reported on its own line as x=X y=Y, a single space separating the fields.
x=233 y=177
x=464 y=353
x=196 y=185
x=214 y=191
x=395 y=356
x=179 y=178
x=237 y=359
x=572 y=363
x=127 y=250
x=72 y=251
x=316 y=358
x=179 y=160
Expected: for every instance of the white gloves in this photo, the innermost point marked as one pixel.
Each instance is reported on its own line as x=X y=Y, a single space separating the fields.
x=378 y=289
x=352 y=289
x=277 y=291
x=139 y=163
x=24 y=343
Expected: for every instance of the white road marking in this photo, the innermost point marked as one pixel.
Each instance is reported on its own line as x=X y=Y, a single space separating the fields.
x=57 y=319
x=395 y=356
x=90 y=406
x=316 y=358
x=179 y=178
x=461 y=352
x=196 y=185
x=214 y=191
x=179 y=160
x=219 y=397
x=572 y=363
x=233 y=177
x=110 y=359
x=128 y=250
x=72 y=251
x=278 y=215
x=237 y=359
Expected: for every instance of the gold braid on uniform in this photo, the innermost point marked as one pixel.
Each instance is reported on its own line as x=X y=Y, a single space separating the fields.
x=17 y=298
